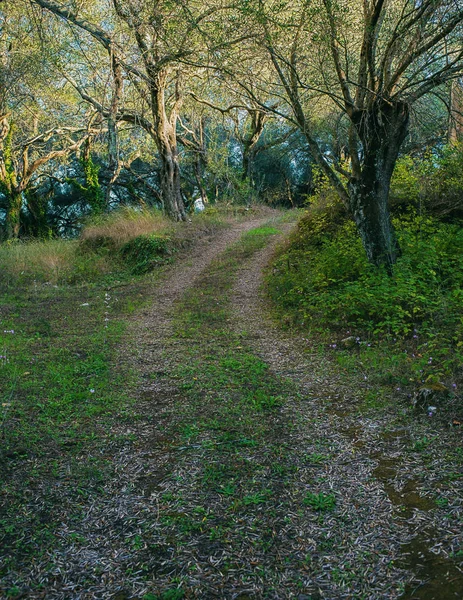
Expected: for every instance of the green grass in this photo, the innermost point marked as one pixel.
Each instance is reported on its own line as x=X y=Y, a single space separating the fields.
x=64 y=397
x=61 y=392
x=403 y=331
x=320 y=502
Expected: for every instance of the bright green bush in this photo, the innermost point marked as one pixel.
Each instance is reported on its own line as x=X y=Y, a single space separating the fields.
x=432 y=181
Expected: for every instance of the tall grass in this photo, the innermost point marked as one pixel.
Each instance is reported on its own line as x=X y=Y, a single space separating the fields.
x=125 y=224
x=51 y=260
x=100 y=249
x=58 y=261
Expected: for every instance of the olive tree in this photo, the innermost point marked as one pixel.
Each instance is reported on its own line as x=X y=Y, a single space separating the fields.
x=39 y=124
x=153 y=47
x=371 y=61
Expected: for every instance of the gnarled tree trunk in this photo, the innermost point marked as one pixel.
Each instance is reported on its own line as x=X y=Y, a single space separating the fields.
x=258 y=119
x=381 y=129
x=166 y=140
x=13 y=214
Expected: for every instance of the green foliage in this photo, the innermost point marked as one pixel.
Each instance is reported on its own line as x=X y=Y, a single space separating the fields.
x=405 y=182
x=433 y=181
x=320 y=502
x=145 y=252
x=324 y=282
x=91 y=190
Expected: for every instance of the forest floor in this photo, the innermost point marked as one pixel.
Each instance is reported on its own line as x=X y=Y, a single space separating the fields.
x=248 y=465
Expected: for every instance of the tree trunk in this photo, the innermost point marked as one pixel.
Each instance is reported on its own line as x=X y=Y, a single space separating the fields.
x=368 y=200
x=114 y=166
x=382 y=129
x=13 y=215
x=170 y=183
x=258 y=119
x=166 y=140
x=198 y=170
x=455 y=131
x=37 y=205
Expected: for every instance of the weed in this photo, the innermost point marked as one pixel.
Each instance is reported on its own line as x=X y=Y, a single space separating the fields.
x=172 y=594
x=320 y=502
x=421 y=444
x=227 y=490
x=442 y=502
x=256 y=498
x=315 y=458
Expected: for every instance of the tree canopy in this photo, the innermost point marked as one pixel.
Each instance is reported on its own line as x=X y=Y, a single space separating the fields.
x=105 y=102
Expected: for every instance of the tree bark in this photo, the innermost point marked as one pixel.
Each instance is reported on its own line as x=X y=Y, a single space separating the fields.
x=166 y=140
x=13 y=215
x=114 y=166
x=258 y=119
x=381 y=129
x=455 y=131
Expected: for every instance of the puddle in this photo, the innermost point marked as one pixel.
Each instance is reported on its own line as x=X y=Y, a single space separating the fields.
x=407 y=497
x=436 y=577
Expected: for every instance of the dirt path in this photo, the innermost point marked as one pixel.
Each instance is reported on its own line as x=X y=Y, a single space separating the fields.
x=307 y=499
x=388 y=493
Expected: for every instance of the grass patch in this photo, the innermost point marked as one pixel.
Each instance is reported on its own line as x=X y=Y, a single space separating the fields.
x=64 y=397
x=405 y=331
x=320 y=502
x=60 y=395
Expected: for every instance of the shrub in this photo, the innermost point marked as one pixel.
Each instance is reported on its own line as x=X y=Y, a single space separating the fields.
x=143 y=253
x=326 y=284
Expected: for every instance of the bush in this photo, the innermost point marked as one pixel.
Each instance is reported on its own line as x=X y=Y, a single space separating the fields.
x=144 y=253
x=432 y=180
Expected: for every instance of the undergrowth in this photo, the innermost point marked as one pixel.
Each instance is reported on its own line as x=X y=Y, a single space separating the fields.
x=113 y=246
x=406 y=329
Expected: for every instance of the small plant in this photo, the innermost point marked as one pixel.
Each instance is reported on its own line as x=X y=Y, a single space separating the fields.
x=421 y=444
x=442 y=502
x=257 y=498
x=320 y=502
x=315 y=458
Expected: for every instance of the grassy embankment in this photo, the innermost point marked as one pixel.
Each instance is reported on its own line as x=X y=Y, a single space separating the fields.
x=405 y=331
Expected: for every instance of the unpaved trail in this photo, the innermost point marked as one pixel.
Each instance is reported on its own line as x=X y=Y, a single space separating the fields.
x=388 y=494
x=385 y=539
